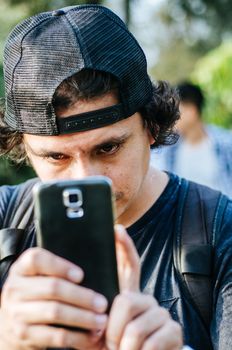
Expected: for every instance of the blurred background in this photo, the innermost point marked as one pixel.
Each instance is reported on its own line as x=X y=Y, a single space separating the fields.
x=182 y=39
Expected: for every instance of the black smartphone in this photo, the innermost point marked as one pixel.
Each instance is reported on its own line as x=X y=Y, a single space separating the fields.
x=74 y=219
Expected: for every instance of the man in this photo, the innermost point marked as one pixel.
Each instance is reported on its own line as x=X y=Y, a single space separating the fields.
x=79 y=102
x=210 y=144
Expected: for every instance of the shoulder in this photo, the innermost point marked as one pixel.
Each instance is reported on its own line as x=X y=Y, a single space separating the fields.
x=203 y=196
x=218 y=215
x=224 y=237
x=9 y=195
x=219 y=135
x=6 y=193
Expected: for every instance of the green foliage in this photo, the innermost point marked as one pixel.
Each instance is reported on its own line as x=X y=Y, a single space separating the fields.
x=44 y=5
x=176 y=61
x=213 y=73
x=11 y=173
x=214 y=14
x=211 y=10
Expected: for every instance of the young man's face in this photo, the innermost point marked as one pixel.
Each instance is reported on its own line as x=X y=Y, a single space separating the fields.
x=120 y=151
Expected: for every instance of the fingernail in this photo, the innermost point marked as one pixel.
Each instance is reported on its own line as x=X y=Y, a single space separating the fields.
x=120 y=231
x=100 y=303
x=101 y=320
x=120 y=228
x=75 y=275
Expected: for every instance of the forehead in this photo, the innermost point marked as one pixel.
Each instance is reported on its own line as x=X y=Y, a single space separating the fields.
x=87 y=140
x=187 y=106
x=90 y=138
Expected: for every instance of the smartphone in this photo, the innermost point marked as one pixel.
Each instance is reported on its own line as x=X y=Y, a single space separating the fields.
x=74 y=219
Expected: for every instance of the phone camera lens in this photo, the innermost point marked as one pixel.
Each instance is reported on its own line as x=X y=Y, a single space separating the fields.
x=73 y=198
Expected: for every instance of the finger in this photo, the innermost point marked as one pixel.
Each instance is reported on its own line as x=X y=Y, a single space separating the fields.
x=57 y=289
x=142 y=327
x=128 y=260
x=126 y=307
x=38 y=261
x=51 y=312
x=53 y=337
x=168 y=337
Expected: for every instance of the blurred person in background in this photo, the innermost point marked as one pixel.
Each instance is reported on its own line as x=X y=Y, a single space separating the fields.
x=203 y=152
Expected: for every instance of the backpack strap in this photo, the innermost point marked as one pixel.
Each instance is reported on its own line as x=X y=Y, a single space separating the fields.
x=17 y=220
x=199 y=216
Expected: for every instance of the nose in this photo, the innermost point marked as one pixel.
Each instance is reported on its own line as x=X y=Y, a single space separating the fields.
x=83 y=168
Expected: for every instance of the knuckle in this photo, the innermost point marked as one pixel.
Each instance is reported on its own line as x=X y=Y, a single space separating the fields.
x=54 y=286
x=53 y=312
x=90 y=296
x=176 y=327
x=31 y=257
x=20 y=331
x=91 y=321
x=134 y=330
x=163 y=313
x=61 y=338
x=151 y=300
x=9 y=288
x=15 y=314
x=157 y=341
x=150 y=344
x=125 y=302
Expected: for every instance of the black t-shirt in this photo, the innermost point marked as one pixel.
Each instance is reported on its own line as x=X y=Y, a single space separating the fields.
x=153 y=237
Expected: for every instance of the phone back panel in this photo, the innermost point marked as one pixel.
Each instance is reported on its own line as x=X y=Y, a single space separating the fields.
x=88 y=239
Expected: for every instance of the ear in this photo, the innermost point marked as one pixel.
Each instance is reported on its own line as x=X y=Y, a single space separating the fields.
x=151 y=138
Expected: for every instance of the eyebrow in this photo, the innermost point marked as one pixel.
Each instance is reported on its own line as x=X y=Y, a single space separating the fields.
x=114 y=139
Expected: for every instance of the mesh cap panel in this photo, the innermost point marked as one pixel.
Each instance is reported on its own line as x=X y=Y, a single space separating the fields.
x=47 y=48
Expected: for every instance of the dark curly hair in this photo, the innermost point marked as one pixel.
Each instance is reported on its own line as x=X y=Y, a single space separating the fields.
x=191 y=93
x=159 y=114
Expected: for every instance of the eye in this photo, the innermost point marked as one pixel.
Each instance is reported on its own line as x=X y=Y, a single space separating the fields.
x=56 y=157
x=108 y=148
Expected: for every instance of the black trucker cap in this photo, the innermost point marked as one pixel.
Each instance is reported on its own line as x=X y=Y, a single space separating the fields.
x=45 y=49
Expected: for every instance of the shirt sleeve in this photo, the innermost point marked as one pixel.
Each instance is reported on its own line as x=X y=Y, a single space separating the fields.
x=5 y=196
x=221 y=325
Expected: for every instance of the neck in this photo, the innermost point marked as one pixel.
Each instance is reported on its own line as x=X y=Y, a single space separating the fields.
x=195 y=134
x=154 y=183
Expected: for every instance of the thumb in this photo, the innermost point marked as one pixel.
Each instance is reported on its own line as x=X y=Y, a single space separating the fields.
x=127 y=260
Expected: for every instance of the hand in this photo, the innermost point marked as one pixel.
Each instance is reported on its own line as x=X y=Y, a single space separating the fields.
x=42 y=290
x=136 y=321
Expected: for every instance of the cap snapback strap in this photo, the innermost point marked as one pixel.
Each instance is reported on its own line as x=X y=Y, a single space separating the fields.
x=91 y=120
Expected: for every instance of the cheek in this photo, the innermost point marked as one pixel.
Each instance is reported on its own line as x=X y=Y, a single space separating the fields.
x=42 y=169
x=126 y=184
x=37 y=166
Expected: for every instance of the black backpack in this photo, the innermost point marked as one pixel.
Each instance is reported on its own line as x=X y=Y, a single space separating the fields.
x=199 y=217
